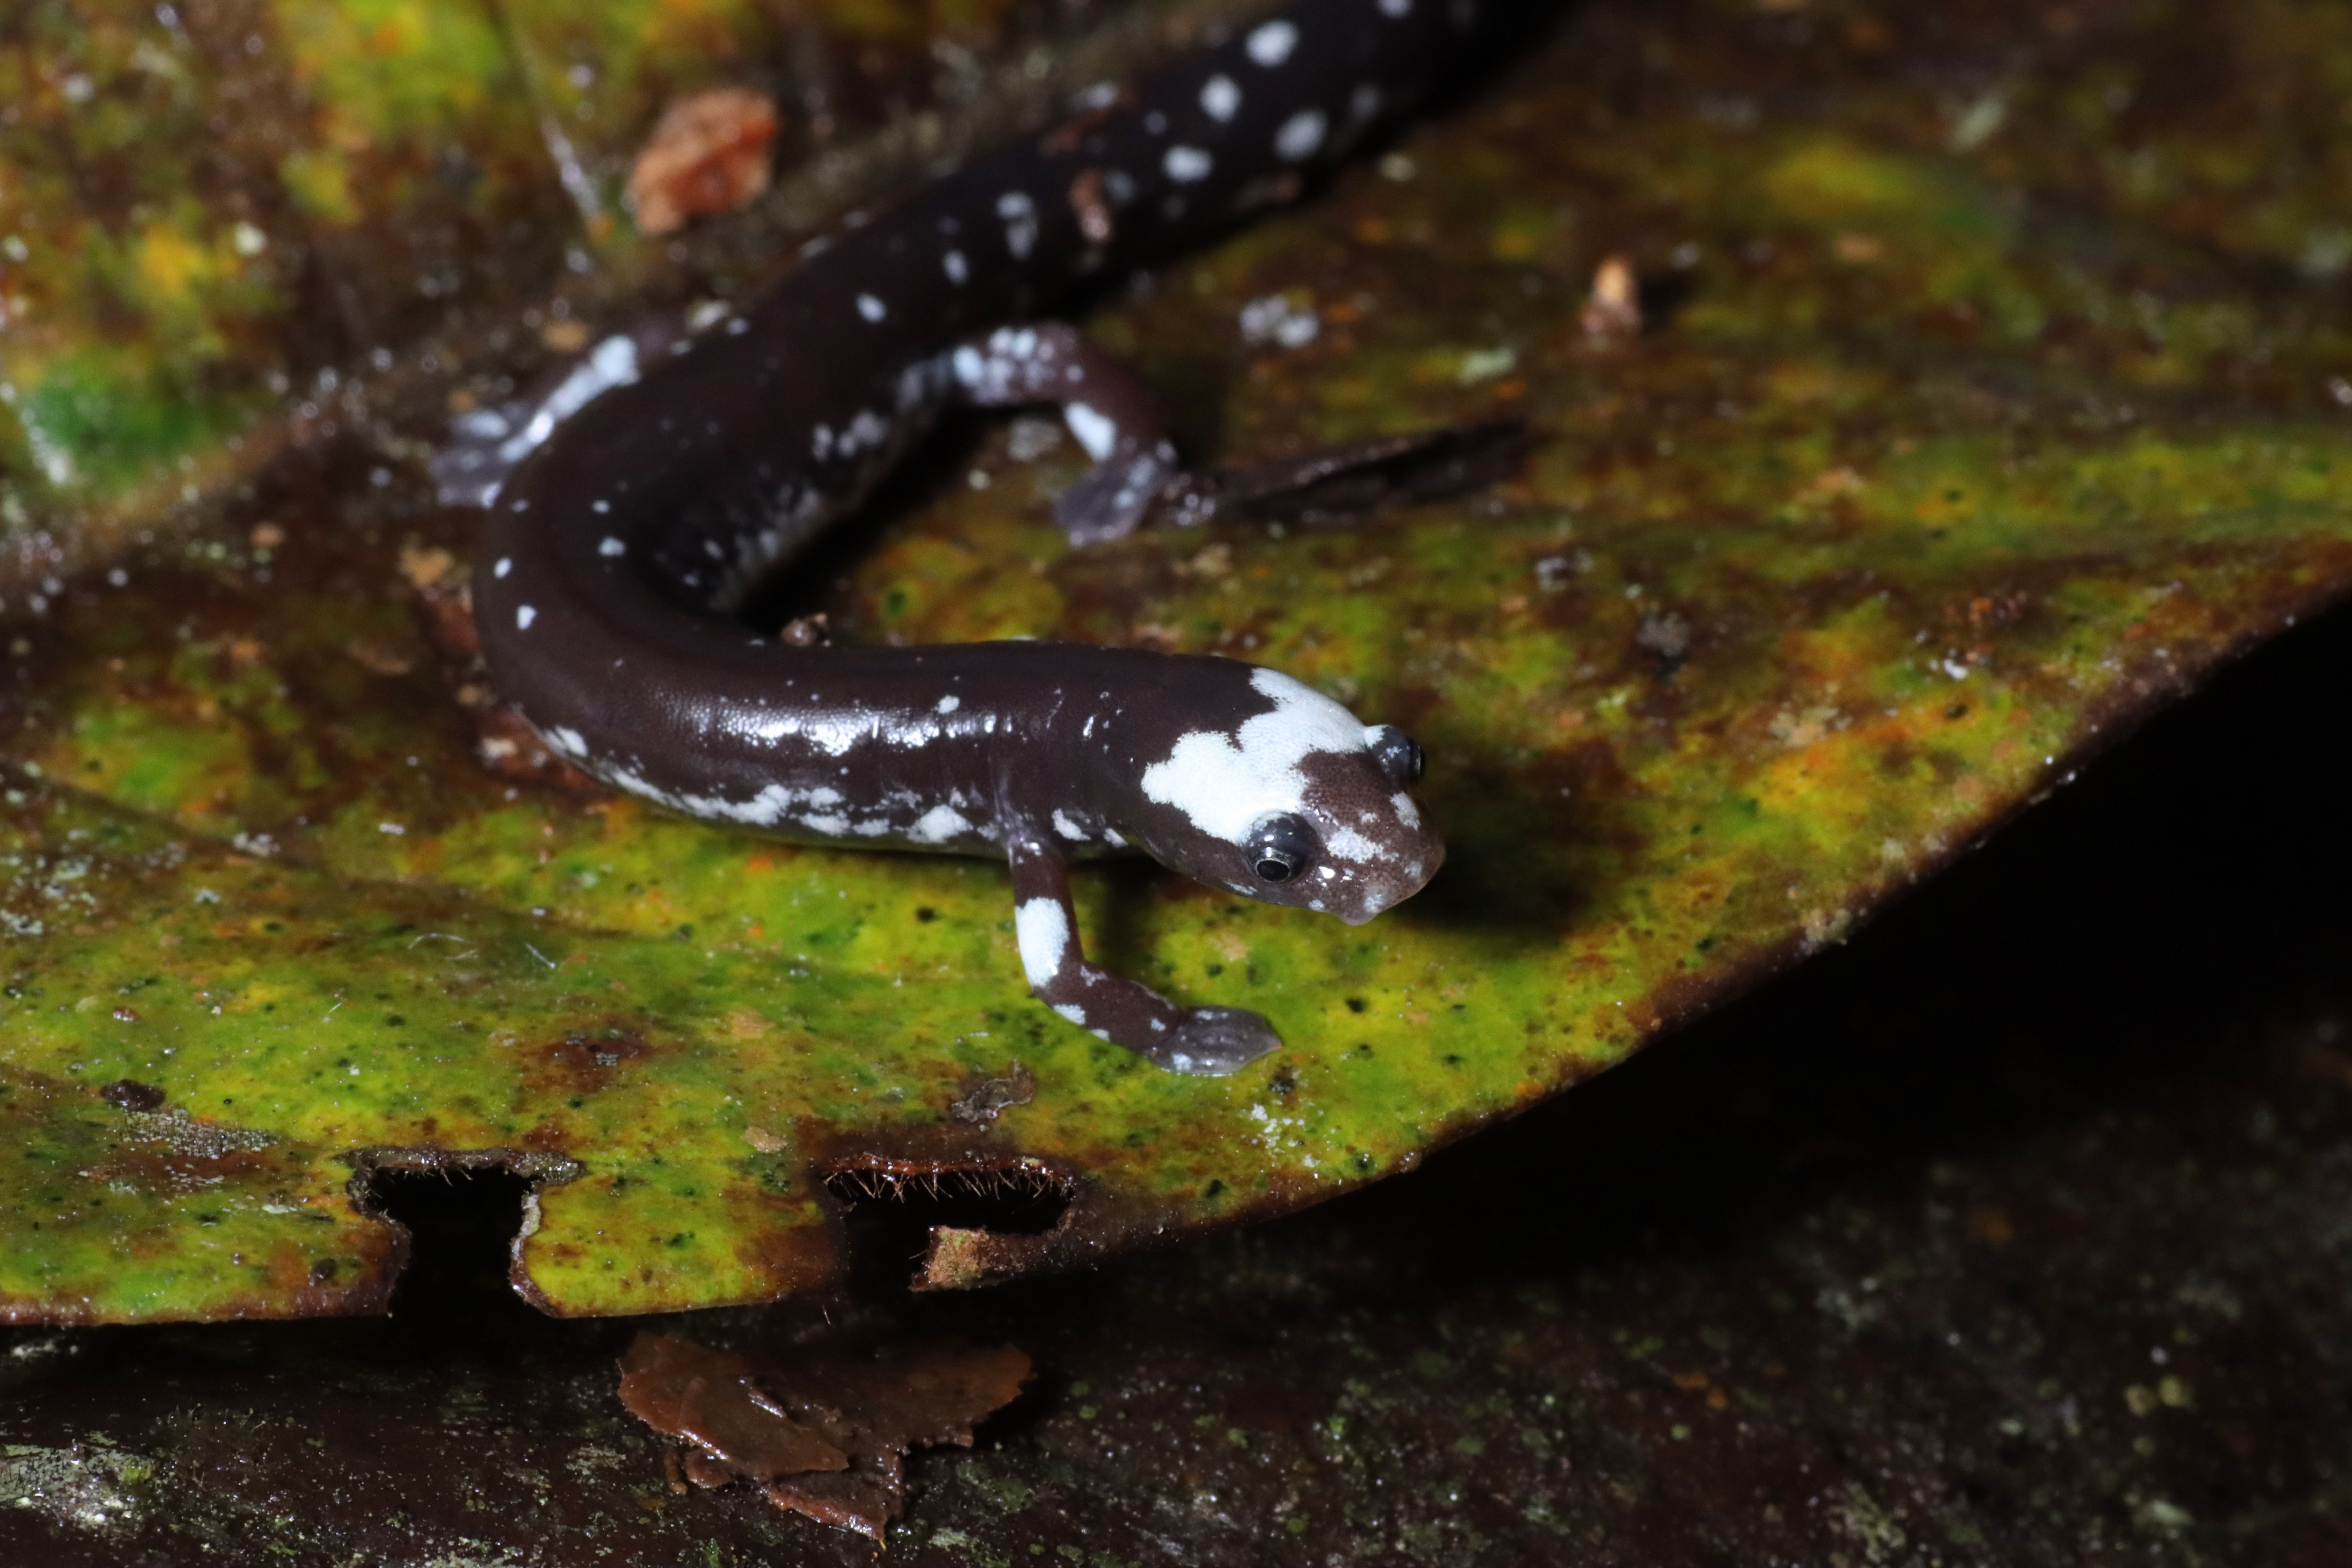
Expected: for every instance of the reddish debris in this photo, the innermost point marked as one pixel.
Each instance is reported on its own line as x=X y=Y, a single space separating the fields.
x=1614 y=308
x=821 y=1430
x=708 y=154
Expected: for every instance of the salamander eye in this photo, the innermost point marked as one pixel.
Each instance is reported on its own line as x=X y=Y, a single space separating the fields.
x=1279 y=848
x=1399 y=759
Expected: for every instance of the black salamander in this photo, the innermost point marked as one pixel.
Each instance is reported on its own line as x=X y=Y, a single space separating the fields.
x=662 y=481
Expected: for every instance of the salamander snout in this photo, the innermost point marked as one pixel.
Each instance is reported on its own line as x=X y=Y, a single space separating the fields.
x=1295 y=801
x=1356 y=843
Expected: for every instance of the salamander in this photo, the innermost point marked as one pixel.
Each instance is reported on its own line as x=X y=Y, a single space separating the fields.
x=665 y=480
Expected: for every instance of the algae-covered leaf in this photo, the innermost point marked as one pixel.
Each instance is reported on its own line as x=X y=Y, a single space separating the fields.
x=1948 y=450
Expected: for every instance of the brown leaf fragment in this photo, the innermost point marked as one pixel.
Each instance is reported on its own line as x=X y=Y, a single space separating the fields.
x=706 y=1396
x=823 y=1430
x=708 y=154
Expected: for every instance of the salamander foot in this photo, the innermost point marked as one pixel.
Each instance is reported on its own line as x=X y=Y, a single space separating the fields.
x=1214 y=1041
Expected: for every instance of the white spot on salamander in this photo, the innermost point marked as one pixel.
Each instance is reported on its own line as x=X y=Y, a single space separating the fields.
x=1043 y=929
x=1220 y=98
x=1020 y=216
x=1068 y=829
x=1272 y=44
x=611 y=363
x=1406 y=812
x=871 y=308
x=1225 y=783
x=502 y=568
x=1396 y=8
x=938 y=825
x=949 y=703
x=1349 y=845
x=959 y=271
x=1097 y=434
x=524 y=616
x=1073 y=1012
x=611 y=546
x=568 y=741
x=1186 y=165
x=1301 y=135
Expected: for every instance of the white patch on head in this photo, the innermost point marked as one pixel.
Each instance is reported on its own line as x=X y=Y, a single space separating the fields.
x=1272 y=44
x=1406 y=812
x=1095 y=433
x=957 y=270
x=1225 y=783
x=1220 y=98
x=1348 y=843
x=1067 y=828
x=937 y=826
x=1187 y=165
x=949 y=703
x=871 y=308
x=1020 y=216
x=1301 y=135
x=1042 y=930
x=611 y=546
x=524 y=616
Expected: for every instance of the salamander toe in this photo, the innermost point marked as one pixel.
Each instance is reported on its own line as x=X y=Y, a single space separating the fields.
x=1214 y=1041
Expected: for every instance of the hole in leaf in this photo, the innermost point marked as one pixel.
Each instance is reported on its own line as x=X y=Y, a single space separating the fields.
x=462 y=1215
x=891 y=1206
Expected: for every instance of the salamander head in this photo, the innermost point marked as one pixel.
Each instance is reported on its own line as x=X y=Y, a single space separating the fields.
x=1299 y=802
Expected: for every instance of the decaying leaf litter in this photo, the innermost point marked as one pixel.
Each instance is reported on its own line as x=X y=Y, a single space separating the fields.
x=1943 y=456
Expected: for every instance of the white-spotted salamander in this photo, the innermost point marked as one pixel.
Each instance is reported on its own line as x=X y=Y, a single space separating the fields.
x=617 y=546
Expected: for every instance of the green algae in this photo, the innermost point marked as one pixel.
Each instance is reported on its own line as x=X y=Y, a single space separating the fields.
x=1933 y=471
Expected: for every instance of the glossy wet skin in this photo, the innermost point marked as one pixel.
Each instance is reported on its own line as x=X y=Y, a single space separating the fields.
x=693 y=467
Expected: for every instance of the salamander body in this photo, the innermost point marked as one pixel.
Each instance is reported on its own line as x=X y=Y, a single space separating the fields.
x=614 y=552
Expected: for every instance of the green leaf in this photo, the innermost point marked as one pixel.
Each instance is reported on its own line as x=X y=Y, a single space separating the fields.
x=1931 y=473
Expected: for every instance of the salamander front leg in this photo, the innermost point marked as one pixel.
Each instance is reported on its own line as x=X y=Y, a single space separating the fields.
x=1205 y=1040
x=1109 y=411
